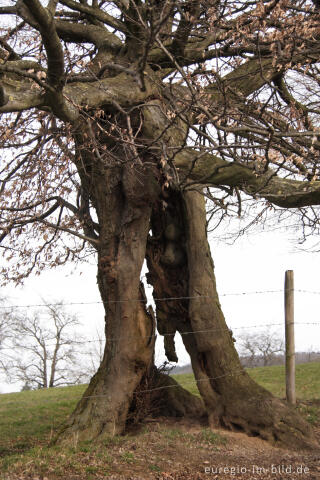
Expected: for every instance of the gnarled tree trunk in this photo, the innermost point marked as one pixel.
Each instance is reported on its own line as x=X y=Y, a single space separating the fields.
x=122 y=198
x=124 y=218
x=125 y=199
x=180 y=266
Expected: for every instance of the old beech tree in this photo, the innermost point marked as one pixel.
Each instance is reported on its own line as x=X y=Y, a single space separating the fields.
x=117 y=119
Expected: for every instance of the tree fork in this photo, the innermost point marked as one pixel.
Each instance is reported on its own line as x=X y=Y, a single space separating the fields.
x=159 y=394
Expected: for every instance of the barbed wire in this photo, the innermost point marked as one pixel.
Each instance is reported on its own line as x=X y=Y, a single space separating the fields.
x=191 y=332
x=191 y=381
x=239 y=371
x=115 y=339
x=133 y=300
x=308 y=291
x=162 y=299
x=171 y=334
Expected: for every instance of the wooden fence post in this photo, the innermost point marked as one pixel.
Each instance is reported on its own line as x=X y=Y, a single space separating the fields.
x=289 y=332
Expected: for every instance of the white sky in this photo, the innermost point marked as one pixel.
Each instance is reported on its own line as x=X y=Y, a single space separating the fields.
x=254 y=263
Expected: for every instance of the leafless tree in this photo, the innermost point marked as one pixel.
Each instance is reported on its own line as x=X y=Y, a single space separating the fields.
x=3 y=328
x=311 y=355
x=261 y=347
x=94 y=353
x=118 y=117
x=4 y=333
x=45 y=352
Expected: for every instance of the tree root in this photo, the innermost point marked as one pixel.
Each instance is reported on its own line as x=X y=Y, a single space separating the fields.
x=270 y=419
x=160 y=395
x=178 y=402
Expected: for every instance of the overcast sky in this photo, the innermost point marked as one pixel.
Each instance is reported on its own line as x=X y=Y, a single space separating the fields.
x=254 y=263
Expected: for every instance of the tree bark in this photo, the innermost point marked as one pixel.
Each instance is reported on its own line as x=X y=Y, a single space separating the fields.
x=129 y=337
x=123 y=195
x=231 y=397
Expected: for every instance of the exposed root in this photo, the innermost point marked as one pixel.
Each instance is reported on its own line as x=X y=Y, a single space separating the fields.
x=160 y=395
x=178 y=402
x=271 y=419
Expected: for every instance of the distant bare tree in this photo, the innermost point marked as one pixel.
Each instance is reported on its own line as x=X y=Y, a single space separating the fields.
x=261 y=347
x=45 y=349
x=3 y=326
x=95 y=353
x=4 y=332
x=311 y=355
x=3 y=321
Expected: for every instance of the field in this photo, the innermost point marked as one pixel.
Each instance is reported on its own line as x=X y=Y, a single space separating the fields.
x=273 y=379
x=165 y=449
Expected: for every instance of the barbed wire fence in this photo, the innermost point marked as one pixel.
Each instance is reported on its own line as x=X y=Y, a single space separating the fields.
x=163 y=299
x=168 y=299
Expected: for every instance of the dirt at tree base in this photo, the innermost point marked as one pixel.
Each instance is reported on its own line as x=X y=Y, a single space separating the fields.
x=247 y=458
x=172 y=449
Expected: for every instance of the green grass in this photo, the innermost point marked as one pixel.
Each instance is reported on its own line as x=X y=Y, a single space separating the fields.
x=273 y=379
x=186 y=380
x=28 y=420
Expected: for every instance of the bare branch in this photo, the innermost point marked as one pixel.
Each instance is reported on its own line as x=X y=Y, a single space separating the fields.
x=211 y=170
x=8 y=10
x=96 y=13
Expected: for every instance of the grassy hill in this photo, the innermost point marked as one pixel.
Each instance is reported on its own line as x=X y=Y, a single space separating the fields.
x=29 y=419
x=273 y=379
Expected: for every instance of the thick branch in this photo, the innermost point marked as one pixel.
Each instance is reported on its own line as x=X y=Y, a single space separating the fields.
x=94 y=12
x=122 y=89
x=51 y=41
x=8 y=10
x=289 y=99
x=8 y=68
x=78 y=33
x=211 y=170
x=43 y=21
x=15 y=98
x=4 y=98
x=245 y=79
x=188 y=19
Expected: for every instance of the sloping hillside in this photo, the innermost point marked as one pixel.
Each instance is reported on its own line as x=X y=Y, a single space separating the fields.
x=163 y=450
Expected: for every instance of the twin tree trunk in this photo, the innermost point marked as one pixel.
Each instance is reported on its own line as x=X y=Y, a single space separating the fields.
x=129 y=203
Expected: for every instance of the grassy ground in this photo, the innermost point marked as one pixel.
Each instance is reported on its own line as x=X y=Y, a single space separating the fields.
x=273 y=379
x=28 y=420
